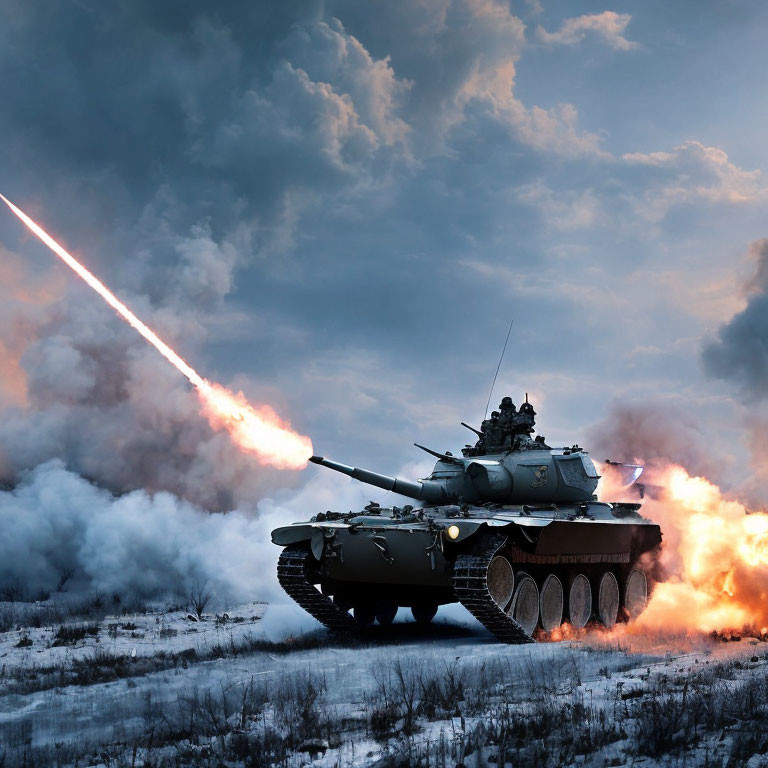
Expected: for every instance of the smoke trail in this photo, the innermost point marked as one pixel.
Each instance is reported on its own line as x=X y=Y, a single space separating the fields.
x=256 y=430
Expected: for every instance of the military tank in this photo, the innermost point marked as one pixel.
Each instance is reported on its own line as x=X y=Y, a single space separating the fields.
x=512 y=530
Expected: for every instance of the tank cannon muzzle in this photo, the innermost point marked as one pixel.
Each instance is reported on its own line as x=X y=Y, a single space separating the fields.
x=423 y=490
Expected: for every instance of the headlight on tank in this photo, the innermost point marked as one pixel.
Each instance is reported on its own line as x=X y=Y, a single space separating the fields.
x=452 y=531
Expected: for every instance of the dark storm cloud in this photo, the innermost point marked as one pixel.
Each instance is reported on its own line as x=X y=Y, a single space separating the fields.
x=739 y=353
x=156 y=120
x=178 y=145
x=191 y=144
x=337 y=207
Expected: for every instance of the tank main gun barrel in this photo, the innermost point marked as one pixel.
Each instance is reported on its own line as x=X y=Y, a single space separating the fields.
x=423 y=490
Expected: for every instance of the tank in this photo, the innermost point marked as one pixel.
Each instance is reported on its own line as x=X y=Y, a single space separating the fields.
x=511 y=529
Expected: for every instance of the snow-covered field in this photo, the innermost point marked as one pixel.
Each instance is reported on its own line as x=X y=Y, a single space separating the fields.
x=31 y=650
x=266 y=686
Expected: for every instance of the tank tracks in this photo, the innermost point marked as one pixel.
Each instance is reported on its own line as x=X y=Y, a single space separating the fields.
x=293 y=575
x=470 y=583
x=469 y=578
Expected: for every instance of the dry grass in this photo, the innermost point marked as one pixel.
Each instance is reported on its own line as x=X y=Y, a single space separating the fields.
x=510 y=709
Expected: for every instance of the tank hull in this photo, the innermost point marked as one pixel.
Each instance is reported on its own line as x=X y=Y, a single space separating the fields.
x=423 y=558
x=405 y=557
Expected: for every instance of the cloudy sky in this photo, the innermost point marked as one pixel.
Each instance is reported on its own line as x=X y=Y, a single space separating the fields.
x=340 y=206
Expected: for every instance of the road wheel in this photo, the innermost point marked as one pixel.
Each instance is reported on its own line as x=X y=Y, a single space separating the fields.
x=608 y=599
x=551 y=603
x=579 y=601
x=501 y=581
x=423 y=613
x=635 y=593
x=385 y=614
x=524 y=608
x=364 y=615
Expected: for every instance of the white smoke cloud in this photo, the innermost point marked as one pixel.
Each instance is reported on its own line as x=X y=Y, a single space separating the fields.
x=62 y=532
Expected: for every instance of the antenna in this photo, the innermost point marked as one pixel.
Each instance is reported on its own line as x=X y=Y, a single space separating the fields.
x=493 y=383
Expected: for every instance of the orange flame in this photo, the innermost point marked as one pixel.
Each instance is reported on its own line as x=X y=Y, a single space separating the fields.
x=716 y=555
x=257 y=430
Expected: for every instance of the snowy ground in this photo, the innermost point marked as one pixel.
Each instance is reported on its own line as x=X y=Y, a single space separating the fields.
x=267 y=687
x=131 y=635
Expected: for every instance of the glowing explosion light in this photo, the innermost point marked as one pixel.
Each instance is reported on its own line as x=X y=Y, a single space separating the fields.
x=257 y=430
x=714 y=558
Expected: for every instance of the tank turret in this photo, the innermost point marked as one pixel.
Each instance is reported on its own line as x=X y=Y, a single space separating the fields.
x=506 y=466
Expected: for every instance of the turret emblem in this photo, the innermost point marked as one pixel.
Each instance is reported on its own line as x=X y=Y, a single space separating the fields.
x=540 y=476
